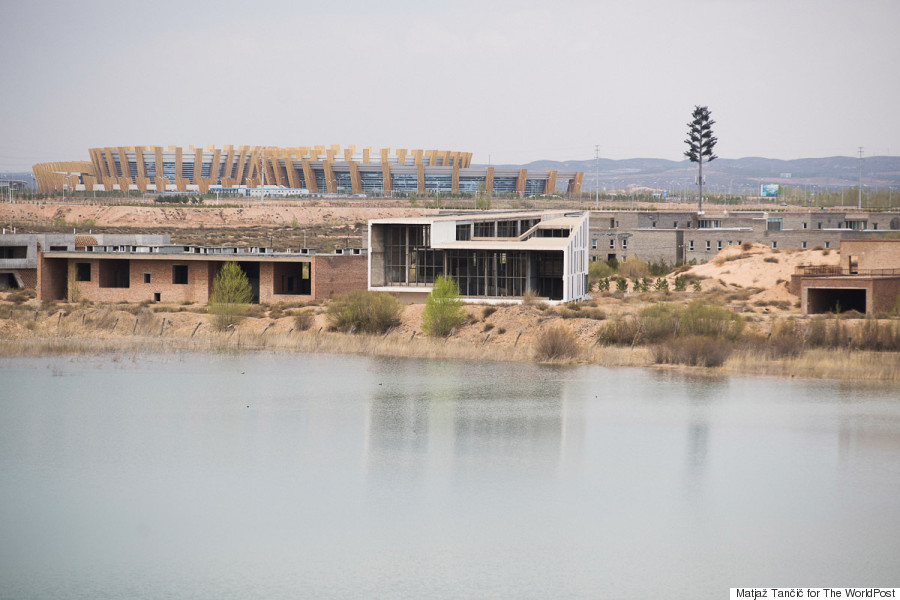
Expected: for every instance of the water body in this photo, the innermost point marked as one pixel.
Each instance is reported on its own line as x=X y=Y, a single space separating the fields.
x=287 y=476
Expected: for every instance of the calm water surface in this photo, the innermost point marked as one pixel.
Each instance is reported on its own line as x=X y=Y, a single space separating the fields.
x=286 y=476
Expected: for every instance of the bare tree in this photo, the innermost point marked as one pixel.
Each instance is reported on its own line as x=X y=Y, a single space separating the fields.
x=701 y=142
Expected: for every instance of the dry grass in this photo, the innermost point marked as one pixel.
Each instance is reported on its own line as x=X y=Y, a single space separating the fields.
x=557 y=343
x=792 y=348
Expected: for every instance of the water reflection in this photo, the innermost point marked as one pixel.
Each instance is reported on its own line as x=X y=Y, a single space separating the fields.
x=350 y=477
x=460 y=415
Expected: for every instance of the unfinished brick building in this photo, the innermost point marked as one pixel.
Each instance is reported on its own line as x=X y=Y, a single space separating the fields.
x=176 y=274
x=867 y=280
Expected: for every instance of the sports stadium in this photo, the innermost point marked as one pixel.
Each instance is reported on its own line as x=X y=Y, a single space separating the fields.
x=300 y=170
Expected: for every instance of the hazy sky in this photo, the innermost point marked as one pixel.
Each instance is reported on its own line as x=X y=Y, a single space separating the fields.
x=510 y=81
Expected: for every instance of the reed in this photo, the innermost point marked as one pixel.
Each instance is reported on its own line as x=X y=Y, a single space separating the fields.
x=800 y=348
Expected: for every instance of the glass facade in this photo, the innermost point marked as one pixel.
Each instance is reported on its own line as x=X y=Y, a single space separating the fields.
x=404 y=182
x=505 y=185
x=489 y=273
x=408 y=258
x=534 y=187
x=438 y=183
x=343 y=182
x=470 y=184
x=371 y=181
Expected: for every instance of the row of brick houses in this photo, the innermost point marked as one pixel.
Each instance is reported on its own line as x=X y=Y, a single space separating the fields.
x=139 y=268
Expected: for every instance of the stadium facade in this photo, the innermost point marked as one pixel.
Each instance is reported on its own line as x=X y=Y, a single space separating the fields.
x=312 y=169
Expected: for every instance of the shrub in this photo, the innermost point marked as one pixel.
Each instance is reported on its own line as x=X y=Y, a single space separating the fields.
x=443 y=309
x=659 y=269
x=621 y=285
x=770 y=259
x=701 y=318
x=556 y=343
x=17 y=297
x=696 y=286
x=661 y=285
x=680 y=283
x=786 y=340
x=231 y=295
x=633 y=268
x=362 y=311
x=746 y=246
x=598 y=270
x=488 y=311
x=487 y=327
x=619 y=332
x=530 y=297
x=664 y=321
x=303 y=320
x=694 y=350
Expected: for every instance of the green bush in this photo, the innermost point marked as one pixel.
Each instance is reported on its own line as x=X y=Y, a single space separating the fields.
x=664 y=321
x=597 y=271
x=443 y=309
x=659 y=269
x=362 y=311
x=231 y=295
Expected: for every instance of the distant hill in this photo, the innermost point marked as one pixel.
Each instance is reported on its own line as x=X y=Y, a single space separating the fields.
x=740 y=175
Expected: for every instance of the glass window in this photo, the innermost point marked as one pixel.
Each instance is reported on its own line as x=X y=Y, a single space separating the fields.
x=484 y=229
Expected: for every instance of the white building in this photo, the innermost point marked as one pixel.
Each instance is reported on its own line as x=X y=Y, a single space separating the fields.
x=489 y=255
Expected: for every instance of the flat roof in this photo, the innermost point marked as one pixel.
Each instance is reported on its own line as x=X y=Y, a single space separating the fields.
x=552 y=215
x=190 y=256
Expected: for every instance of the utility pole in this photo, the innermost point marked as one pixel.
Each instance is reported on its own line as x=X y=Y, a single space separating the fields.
x=597 y=158
x=859 y=189
x=262 y=194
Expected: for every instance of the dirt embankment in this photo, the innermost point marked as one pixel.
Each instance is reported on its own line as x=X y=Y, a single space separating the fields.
x=208 y=216
x=280 y=226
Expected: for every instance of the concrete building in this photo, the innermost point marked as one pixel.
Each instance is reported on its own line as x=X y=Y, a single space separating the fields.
x=867 y=280
x=310 y=169
x=683 y=236
x=489 y=255
x=19 y=252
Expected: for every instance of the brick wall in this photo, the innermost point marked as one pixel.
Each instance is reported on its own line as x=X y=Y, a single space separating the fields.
x=338 y=274
x=161 y=282
x=51 y=278
x=886 y=294
x=871 y=253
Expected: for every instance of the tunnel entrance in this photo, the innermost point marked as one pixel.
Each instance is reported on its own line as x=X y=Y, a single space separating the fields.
x=823 y=300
